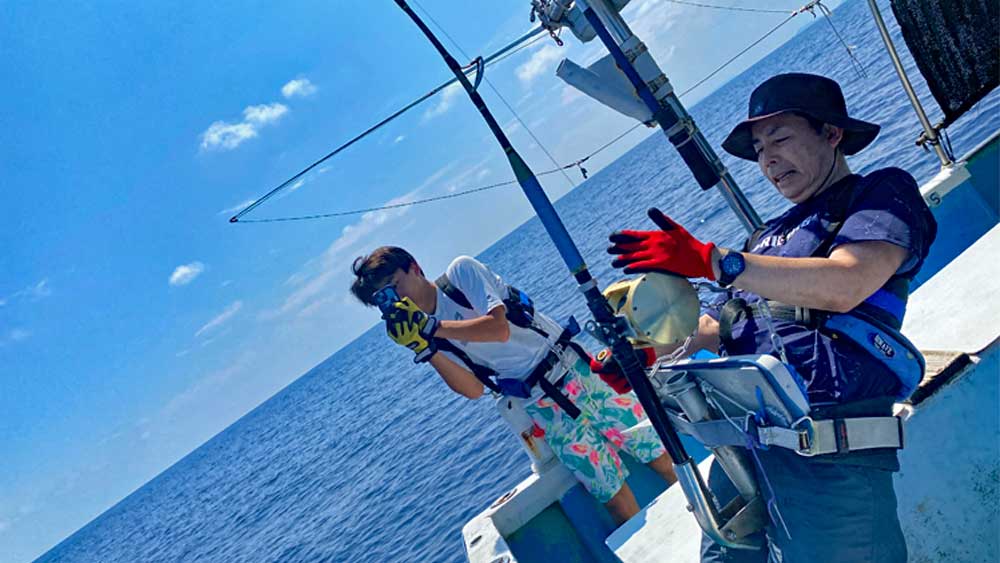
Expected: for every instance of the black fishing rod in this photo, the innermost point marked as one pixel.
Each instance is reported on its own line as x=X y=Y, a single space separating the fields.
x=610 y=328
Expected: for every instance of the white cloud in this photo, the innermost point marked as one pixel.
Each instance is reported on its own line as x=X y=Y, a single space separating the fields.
x=512 y=126
x=654 y=21
x=14 y=335
x=264 y=113
x=298 y=184
x=34 y=292
x=197 y=393
x=222 y=135
x=220 y=319
x=186 y=273
x=399 y=139
x=228 y=136
x=39 y=290
x=300 y=87
x=570 y=95
x=541 y=61
x=446 y=98
x=318 y=306
x=238 y=207
x=18 y=334
x=312 y=288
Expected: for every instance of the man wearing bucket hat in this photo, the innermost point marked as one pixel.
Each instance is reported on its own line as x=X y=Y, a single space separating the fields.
x=849 y=245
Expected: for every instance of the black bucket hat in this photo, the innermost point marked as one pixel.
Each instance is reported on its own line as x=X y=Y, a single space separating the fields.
x=806 y=94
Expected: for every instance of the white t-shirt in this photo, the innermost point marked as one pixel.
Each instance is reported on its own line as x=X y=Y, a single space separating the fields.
x=485 y=290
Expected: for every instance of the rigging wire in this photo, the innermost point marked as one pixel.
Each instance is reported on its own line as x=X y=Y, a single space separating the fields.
x=498 y=94
x=807 y=8
x=730 y=8
x=515 y=46
x=521 y=43
x=858 y=67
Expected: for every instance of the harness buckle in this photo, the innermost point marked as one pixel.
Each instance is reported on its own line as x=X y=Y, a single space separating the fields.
x=806 y=430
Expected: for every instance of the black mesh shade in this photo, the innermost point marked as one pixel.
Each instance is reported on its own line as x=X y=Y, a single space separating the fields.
x=956 y=45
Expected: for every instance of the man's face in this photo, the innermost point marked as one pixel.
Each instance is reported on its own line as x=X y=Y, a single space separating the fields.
x=793 y=156
x=405 y=282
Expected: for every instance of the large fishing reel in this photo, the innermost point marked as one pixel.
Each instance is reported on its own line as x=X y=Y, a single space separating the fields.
x=662 y=310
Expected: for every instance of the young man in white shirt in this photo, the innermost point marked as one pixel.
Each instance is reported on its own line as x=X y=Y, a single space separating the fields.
x=471 y=339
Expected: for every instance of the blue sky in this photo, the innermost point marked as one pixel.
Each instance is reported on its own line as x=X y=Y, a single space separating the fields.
x=135 y=322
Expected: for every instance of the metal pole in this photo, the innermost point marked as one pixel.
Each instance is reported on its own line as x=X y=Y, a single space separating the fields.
x=673 y=118
x=932 y=136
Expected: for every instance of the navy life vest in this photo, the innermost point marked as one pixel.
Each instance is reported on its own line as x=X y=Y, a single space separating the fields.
x=874 y=324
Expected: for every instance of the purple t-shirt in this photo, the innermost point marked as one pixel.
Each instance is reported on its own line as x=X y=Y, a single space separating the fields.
x=887 y=206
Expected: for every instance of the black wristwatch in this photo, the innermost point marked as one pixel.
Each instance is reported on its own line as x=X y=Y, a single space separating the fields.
x=730 y=267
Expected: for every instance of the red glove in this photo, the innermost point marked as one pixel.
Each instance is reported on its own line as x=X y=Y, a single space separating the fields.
x=671 y=250
x=608 y=369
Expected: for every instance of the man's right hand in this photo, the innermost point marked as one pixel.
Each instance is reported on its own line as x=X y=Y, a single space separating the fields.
x=408 y=326
x=605 y=366
x=670 y=250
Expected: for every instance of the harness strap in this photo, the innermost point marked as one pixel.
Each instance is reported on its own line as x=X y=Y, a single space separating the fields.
x=484 y=374
x=808 y=438
x=835 y=436
x=537 y=376
x=734 y=311
x=452 y=292
x=514 y=299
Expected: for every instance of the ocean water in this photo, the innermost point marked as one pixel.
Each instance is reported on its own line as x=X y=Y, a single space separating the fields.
x=367 y=457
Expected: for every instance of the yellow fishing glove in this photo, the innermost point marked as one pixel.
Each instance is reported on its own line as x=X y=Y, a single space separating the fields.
x=408 y=326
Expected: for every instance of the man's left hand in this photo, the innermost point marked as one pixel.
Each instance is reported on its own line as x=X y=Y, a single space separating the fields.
x=408 y=326
x=670 y=250
x=605 y=366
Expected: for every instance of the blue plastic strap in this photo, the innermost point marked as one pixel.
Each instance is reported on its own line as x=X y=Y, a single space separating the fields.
x=511 y=387
x=887 y=347
x=571 y=327
x=889 y=303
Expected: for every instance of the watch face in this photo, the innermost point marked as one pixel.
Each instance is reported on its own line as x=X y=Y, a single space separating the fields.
x=732 y=264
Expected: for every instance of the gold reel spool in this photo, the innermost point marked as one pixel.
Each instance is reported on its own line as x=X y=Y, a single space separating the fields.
x=661 y=308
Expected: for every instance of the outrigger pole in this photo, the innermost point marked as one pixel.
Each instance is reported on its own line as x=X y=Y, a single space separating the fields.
x=664 y=106
x=610 y=329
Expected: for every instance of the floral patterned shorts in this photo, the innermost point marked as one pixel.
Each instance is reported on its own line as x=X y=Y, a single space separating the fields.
x=589 y=445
